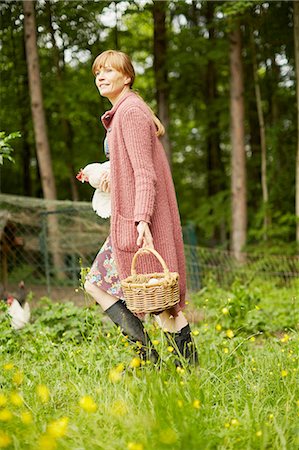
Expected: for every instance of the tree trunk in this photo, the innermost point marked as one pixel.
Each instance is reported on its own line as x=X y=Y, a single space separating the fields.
x=40 y=129
x=215 y=169
x=296 y=39
x=262 y=138
x=37 y=108
x=67 y=132
x=160 y=69
x=238 y=160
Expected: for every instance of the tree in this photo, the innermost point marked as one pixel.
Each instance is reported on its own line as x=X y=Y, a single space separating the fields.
x=238 y=158
x=160 y=68
x=37 y=108
x=40 y=129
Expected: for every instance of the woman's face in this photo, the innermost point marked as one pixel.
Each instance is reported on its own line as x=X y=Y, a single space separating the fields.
x=111 y=83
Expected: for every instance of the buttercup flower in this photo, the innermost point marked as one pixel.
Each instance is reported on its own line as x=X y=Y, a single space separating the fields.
x=3 y=400
x=135 y=363
x=58 y=428
x=26 y=417
x=43 y=393
x=168 y=436
x=225 y=311
x=196 y=404
x=8 y=366
x=119 y=408
x=18 y=377
x=230 y=334
x=170 y=349
x=16 y=399
x=135 y=446
x=5 y=439
x=47 y=443
x=218 y=327
x=88 y=404
x=5 y=415
x=284 y=373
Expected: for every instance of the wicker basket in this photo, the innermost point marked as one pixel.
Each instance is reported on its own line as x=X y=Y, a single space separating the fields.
x=152 y=292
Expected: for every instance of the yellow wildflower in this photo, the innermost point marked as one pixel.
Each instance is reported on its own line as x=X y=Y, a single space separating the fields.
x=26 y=417
x=180 y=370
x=168 y=436
x=18 y=377
x=5 y=415
x=227 y=425
x=235 y=422
x=8 y=366
x=271 y=416
x=195 y=332
x=170 y=348
x=285 y=338
x=297 y=403
x=134 y=446
x=259 y=433
x=225 y=350
x=43 y=393
x=16 y=399
x=252 y=339
x=88 y=404
x=58 y=428
x=230 y=334
x=135 y=363
x=119 y=408
x=218 y=327
x=114 y=375
x=5 y=439
x=284 y=373
x=196 y=404
x=225 y=311
x=180 y=403
x=3 y=399
x=47 y=443
x=156 y=342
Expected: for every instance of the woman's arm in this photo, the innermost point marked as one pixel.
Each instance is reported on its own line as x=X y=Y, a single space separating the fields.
x=138 y=134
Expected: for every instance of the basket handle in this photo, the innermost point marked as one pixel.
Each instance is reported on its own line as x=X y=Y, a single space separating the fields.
x=155 y=253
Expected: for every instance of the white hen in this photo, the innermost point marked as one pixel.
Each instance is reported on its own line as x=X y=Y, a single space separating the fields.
x=101 y=201
x=20 y=315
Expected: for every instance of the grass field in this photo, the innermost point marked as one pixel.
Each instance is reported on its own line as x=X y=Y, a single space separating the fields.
x=70 y=380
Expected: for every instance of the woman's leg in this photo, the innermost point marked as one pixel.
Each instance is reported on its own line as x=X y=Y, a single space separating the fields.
x=129 y=324
x=178 y=333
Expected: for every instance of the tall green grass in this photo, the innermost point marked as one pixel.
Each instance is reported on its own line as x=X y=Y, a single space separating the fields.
x=81 y=389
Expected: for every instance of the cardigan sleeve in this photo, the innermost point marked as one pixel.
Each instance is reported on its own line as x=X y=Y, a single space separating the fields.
x=137 y=130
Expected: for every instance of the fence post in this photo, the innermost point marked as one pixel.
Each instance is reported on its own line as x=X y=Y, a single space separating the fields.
x=44 y=251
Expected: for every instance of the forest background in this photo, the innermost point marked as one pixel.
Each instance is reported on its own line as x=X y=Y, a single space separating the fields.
x=220 y=75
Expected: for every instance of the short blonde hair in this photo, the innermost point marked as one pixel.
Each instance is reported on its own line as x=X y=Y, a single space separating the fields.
x=121 y=62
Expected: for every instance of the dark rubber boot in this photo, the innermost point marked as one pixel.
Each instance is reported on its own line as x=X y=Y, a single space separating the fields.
x=132 y=327
x=183 y=345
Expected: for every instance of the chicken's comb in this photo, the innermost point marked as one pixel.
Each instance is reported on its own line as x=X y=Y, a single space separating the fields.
x=81 y=177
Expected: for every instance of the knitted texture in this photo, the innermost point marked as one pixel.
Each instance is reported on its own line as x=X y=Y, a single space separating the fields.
x=142 y=189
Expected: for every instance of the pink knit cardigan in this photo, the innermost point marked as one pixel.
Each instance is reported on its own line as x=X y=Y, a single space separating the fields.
x=142 y=189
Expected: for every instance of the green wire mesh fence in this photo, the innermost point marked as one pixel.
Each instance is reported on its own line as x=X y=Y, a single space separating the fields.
x=47 y=243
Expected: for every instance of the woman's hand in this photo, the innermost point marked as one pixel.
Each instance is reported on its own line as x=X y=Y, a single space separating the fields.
x=145 y=237
x=104 y=184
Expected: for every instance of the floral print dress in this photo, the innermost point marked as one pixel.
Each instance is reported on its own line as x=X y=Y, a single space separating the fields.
x=103 y=272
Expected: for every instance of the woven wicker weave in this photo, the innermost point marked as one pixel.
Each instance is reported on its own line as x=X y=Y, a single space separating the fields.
x=152 y=292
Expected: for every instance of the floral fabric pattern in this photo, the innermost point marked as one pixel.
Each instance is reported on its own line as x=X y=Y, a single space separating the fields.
x=103 y=272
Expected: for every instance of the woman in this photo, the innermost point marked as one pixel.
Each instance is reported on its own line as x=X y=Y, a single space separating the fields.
x=143 y=204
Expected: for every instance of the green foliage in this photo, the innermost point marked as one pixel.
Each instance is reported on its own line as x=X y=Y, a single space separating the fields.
x=198 y=49
x=5 y=147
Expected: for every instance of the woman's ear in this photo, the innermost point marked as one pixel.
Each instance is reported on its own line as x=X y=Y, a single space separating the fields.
x=128 y=80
